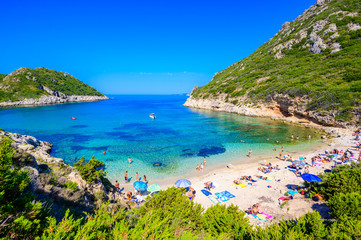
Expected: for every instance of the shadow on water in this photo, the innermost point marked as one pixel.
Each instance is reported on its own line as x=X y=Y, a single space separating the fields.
x=206 y=152
x=79 y=126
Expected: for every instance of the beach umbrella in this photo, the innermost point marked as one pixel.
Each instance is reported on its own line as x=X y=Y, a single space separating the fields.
x=140 y=186
x=183 y=183
x=310 y=177
x=154 y=188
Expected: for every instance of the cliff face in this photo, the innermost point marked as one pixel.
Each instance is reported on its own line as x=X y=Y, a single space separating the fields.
x=40 y=86
x=309 y=69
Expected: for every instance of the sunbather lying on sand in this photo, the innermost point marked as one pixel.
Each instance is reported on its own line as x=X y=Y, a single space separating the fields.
x=237 y=181
x=256 y=209
x=261 y=177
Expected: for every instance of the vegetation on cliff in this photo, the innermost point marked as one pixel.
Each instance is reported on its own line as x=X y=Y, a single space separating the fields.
x=315 y=59
x=34 y=83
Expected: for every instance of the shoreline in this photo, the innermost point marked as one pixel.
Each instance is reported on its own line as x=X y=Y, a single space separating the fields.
x=224 y=174
x=272 y=111
x=51 y=100
x=261 y=193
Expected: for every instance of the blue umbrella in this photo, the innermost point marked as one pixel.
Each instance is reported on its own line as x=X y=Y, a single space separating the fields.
x=140 y=185
x=182 y=183
x=310 y=177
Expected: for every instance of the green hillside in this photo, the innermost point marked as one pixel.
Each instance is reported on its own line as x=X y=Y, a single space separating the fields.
x=29 y=83
x=316 y=59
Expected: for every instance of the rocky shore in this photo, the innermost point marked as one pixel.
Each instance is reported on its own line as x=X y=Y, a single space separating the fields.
x=51 y=178
x=61 y=98
x=279 y=107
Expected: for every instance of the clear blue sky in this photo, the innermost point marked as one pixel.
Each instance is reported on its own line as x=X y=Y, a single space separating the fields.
x=138 y=47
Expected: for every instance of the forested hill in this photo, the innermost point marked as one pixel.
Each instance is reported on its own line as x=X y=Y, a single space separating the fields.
x=310 y=68
x=26 y=83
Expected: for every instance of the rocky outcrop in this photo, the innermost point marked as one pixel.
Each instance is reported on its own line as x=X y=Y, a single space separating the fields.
x=57 y=98
x=50 y=178
x=278 y=106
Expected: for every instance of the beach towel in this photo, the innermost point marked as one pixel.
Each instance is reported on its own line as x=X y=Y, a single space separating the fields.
x=205 y=192
x=292 y=192
x=241 y=185
x=291 y=169
x=259 y=218
x=221 y=197
x=267 y=180
x=253 y=180
x=213 y=199
x=268 y=177
x=285 y=198
x=228 y=194
x=267 y=215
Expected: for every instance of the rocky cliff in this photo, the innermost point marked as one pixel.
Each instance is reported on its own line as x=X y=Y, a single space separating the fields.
x=309 y=69
x=57 y=183
x=41 y=86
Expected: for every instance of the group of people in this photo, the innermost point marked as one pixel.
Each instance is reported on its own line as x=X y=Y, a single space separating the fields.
x=247 y=178
x=268 y=168
x=202 y=165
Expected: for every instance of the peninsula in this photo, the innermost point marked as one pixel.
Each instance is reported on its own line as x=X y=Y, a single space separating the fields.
x=309 y=70
x=40 y=86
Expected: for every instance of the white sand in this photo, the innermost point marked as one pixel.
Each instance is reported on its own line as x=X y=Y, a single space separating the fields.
x=268 y=197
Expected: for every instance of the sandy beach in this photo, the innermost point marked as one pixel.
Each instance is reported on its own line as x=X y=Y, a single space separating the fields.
x=267 y=193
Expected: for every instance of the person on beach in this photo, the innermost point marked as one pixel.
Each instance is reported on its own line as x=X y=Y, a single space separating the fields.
x=209 y=185
x=137 y=176
x=129 y=195
x=197 y=168
x=116 y=185
x=281 y=154
x=292 y=137
x=126 y=176
x=309 y=137
x=130 y=160
x=104 y=152
x=249 y=153
x=202 y=167
x=237 y=181
x=313 y=161
x=204 y=161
x=297 y=138
x=145 y=179
x=191 y=193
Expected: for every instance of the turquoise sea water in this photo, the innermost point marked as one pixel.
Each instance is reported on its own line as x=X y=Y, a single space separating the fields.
x=178 y=138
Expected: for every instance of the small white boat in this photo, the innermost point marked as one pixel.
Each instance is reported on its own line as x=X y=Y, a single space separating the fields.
x=152 y=115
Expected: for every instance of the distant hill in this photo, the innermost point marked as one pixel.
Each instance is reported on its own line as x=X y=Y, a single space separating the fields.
x=41 y=83
x=311 y=68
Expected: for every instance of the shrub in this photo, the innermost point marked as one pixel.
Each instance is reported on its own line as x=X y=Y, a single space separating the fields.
x=345 y=179
x=20 y=216
x=90 y=171
x=226 y=221
x=71 y=185
x=345 y=206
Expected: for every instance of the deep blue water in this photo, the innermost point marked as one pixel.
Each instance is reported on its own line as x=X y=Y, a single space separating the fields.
x=178 y=138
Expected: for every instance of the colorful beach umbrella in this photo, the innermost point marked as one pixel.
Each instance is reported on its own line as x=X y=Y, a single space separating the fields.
x=154 y=188
x=140 y=186
x=310 y=177
x=183 y=183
